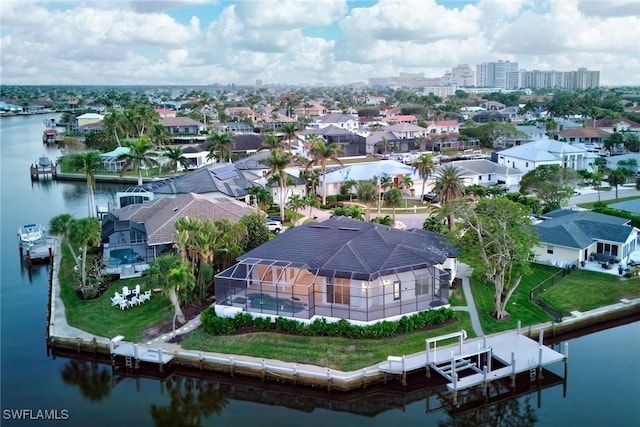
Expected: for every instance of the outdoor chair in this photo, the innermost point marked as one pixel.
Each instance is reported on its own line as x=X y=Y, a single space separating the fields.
x=115 y=300
x=146 y=296
x=124 y=304
x=134 y=301
x=137 y=290
x=125 y=291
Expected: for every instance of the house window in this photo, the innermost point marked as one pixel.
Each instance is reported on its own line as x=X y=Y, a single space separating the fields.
x=396 y=291
x=338 y=291
x=422 y=284
x=549 y=249
x=526 y=164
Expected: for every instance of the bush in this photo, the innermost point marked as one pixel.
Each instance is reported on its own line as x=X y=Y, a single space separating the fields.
x=332 y=198
x=342 y=328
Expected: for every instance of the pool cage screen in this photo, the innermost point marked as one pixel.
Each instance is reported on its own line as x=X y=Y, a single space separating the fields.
x=295 y=290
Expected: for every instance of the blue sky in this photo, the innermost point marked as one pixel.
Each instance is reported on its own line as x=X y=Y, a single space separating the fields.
x=308 y=42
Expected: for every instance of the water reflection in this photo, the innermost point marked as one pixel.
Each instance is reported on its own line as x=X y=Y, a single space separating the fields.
x=195 y=396
x=93 y=380
x=191 y=400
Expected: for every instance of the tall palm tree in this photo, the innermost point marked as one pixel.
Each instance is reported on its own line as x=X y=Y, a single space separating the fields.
x=296 y=202
x=176 y=158
x=140 y=155
x=289 y=130
x=320 y=153
x=84 y=232
x=159 y=135
x=394 y=199
x=60 y=226
x=449 y=186
x=278 y=162
x=424 y=166
x=271 y=142
x=367 y=194
x=116 y=124
x=178 y=280
x=89 y=163
x=222 y=143
x=311 y=179
x=617 y=177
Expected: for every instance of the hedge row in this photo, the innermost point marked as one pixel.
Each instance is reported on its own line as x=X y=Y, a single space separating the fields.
x=215 y=325
x=603 y=209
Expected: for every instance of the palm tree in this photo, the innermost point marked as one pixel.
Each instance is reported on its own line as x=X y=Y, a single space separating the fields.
x=178 y=280
x=449 y=186
x=311 y=179
x=84 y=232
x=140 y=155
x=367 y=194
x=278 y=162
x=89 y=163
x=596 y=181
x=617 y=177
x=356 y=212
x=116 y=123
x=176 y=158
x=289 y=131
x=222 y=143
x=424 y=166
x=296 y=202
x=394 y=199
x=271 y=142
x=159 y=135
x=320 y=153
x=407 y=184
x=60 y=226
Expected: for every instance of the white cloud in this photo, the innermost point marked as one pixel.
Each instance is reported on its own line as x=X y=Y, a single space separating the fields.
x=150 y=42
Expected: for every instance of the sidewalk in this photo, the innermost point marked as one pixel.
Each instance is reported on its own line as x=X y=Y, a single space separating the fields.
x=464 y=272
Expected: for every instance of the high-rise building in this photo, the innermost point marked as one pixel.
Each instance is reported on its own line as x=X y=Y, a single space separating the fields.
x=494 y=74
x=258 y=83
x=551 y=79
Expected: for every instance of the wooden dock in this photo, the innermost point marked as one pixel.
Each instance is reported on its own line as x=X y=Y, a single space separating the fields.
x=47 y=172
x=477 y=362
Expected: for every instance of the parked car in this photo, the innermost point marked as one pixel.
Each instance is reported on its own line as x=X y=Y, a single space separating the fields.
x=274 y=226
x=274 y=218
x=431 y=198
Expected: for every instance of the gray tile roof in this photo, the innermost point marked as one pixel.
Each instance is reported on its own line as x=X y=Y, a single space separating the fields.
x=336 y=118
x=159 y=215
x=221 y=178
x=541 y=150
x=345 y=245
x=481 y=166
x=579 y=229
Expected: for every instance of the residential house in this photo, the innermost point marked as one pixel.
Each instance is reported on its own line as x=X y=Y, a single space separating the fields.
x=569 y=237
x=309 y=109
x=488 y=116
x=527 y=157
x=589 y=136
x=364 y=172
x=351 y=144
x=512 y=113
x=136 y=234
x=343 y=121
x=240 y=113
x=246 y=143
x=620 y=124
x=165 y=112
x=405 y=118
x=236 y=128
x=443 y=126
x=110 y=160
x=198 y=155
x=629 y=161
x=79 y=124
x=340 y=269
x=523 y=135
x=220 y=180
x=492 y=105
x=184 y=129
x=486 y=173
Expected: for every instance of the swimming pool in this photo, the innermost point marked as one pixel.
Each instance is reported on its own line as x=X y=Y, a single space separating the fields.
x=123 y=256
x=270 y=303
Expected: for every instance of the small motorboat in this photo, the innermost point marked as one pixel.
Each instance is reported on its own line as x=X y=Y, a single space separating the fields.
x=30 y=234
x=44 y=162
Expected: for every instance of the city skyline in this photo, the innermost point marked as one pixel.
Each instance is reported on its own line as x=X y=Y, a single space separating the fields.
x=322 y=42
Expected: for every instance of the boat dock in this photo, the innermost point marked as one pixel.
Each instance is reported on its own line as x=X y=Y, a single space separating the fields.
x=133 y=354
x=43 y=167
x=477 y=362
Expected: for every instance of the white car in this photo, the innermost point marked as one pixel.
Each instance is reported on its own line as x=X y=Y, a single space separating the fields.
x=274 y=226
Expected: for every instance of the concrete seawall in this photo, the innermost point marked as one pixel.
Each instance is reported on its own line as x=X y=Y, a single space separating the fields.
x=61 y=336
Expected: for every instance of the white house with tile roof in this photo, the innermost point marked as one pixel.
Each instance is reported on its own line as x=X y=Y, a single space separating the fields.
x=527 y=157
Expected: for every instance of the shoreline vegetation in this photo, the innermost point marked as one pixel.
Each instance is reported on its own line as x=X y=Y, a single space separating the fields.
x=572 y=293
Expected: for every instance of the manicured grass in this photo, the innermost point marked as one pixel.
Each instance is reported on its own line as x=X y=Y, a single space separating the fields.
x=607 y=202
x=352 y=161
x=585 y=290
x=336 y=353
x=98 y=317
x=519 y=305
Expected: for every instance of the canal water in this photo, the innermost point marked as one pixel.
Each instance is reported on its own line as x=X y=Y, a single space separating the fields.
x=602 y=389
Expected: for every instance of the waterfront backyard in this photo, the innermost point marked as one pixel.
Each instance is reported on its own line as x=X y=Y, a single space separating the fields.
x=581 y=290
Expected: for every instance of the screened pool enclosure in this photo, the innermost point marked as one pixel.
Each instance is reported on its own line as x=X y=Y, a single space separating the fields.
x=295 y=290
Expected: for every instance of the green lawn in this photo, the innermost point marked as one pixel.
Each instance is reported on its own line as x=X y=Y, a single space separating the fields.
x=607 y=202
x=98 y=317
x=336 y=353
x=585 y=290
x=519 y=306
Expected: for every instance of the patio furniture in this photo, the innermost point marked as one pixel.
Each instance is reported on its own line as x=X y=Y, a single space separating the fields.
x=137 y=290
x=124 y=304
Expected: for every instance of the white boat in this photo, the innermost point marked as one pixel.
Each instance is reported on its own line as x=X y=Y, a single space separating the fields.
x=30 y=234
